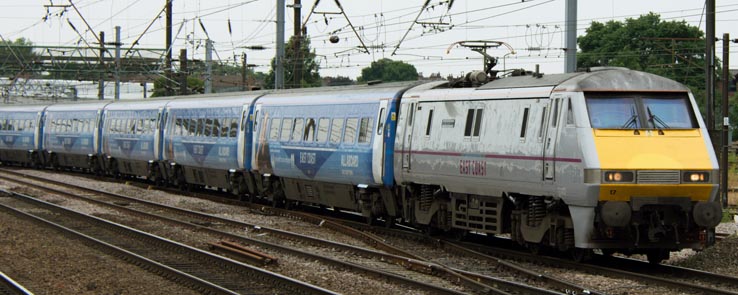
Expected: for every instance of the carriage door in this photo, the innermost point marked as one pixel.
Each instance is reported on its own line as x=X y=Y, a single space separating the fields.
x=159 y=134
x=407 y=139
x=256 y=130
x=552 y=132
x=378 y=143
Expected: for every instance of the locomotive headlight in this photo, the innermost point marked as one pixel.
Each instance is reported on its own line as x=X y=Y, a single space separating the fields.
x=696 y=177
x=618 y=176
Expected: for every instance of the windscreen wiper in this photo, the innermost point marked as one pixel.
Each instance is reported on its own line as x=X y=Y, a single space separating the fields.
x=655 y=119
x=633 y=119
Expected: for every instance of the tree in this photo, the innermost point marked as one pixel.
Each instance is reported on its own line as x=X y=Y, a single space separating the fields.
x=672 y=49
x=389 y=70
x=194 y=84
x=309 y=68
x=16 y=55
x=338 y=81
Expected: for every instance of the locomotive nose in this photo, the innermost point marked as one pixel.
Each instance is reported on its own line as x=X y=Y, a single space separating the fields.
x=707 y=214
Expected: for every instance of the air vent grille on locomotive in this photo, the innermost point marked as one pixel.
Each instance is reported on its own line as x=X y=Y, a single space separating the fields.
x=658 y=176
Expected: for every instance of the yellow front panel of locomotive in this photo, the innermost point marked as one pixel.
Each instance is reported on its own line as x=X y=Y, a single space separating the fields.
x=648 y=150
x=623 y=192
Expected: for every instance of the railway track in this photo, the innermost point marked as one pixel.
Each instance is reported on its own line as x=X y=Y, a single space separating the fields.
x=186 y=265
x=8 y=286
x=377 y=264
x=676 y=278
x=501 y=258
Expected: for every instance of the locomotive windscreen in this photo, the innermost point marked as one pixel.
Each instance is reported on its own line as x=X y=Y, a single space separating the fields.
x=640 y=111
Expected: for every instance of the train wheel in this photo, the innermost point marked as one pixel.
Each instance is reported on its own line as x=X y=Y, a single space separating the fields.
x=369 y=220
x=655 y=256
x=458 y=234
x=114 y=169
x=389 y=221
x=581 y=254
x=534 y=248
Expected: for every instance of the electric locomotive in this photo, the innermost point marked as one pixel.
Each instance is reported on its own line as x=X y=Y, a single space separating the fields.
x=611 y=159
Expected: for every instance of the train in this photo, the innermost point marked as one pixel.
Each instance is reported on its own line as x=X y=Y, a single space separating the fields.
x=609 y=159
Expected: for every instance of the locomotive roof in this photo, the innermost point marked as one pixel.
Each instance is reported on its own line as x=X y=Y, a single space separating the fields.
x=528 y=81
x=620 y=79
x=599 y=79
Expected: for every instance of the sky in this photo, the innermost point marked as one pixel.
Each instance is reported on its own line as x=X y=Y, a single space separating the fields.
x=534 y=29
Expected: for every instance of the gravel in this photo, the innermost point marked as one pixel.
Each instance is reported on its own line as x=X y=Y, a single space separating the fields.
x=46 y=262
x=721 y=258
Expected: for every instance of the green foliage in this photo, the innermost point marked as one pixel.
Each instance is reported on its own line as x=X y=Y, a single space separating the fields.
x=309 y=68
x=194 y=85
x=673 y=49
x=16 y=55
x=389 y=70
x=338 y=81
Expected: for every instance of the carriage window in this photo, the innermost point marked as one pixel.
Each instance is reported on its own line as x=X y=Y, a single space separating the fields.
x=140 y=126
x=200 y=131
x=222 y=127
x=233 y=132
x=336 y=130
x=555 y=114
x=309 y=134
x=145 y=126
x=350 y=135
x=256 y=119
x=286 y=129
x=243 y=120
x=478 y=122
x=274 y=129
x=323 y=124
x=213 y=128
x=177 y=127
x=410 y=115
x=365 y=130
x=524 y=126
x=380 y=125
x=297 y=129
x=210 y=128
x=428 y=125
x=473 y=122
x=469 y=122
x=543 y=119
x=569 y=114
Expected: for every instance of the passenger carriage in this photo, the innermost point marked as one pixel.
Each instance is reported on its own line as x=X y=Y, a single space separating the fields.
x=204 y=142
x=20 y=134
x=330 y=146
x=71 y=135
x=131 y=138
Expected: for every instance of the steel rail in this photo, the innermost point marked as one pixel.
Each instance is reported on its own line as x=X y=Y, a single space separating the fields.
x=259 y=278
x=414 y=265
